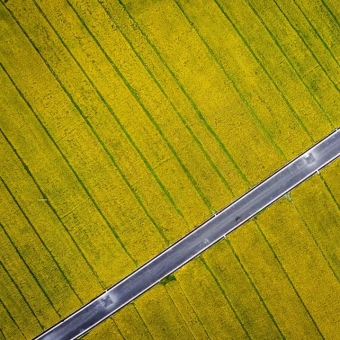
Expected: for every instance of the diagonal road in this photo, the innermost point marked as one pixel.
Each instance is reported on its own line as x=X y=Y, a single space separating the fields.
x=198 y=240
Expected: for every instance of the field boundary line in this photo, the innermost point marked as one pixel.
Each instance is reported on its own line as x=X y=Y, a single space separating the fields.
x=29 y=269
x=290 y=63
x=111 y=111
x=11 y=317
x=70 y=97
x=134 y=93
x=21 y=294
x=254 y=54
x=187 y=96
x=288 y=278
x=53 y=210
x=325 y=257
x=186 y=126
x=307 y=46
x=236 y=89
x=41 y=240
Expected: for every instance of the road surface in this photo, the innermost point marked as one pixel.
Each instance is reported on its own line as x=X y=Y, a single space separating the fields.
x=197 y=241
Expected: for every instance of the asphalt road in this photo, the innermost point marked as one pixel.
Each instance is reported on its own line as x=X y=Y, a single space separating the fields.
x=198 y=240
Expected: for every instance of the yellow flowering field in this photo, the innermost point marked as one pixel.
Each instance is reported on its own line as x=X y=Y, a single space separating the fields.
x=319 y=209
x=298 y=250
x=328 y=174
x=186 y=309
x=281 y=284
x=161 y=315
x=125 y=124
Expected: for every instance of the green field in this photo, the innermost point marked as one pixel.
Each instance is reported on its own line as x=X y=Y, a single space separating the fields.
x=125 y=124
